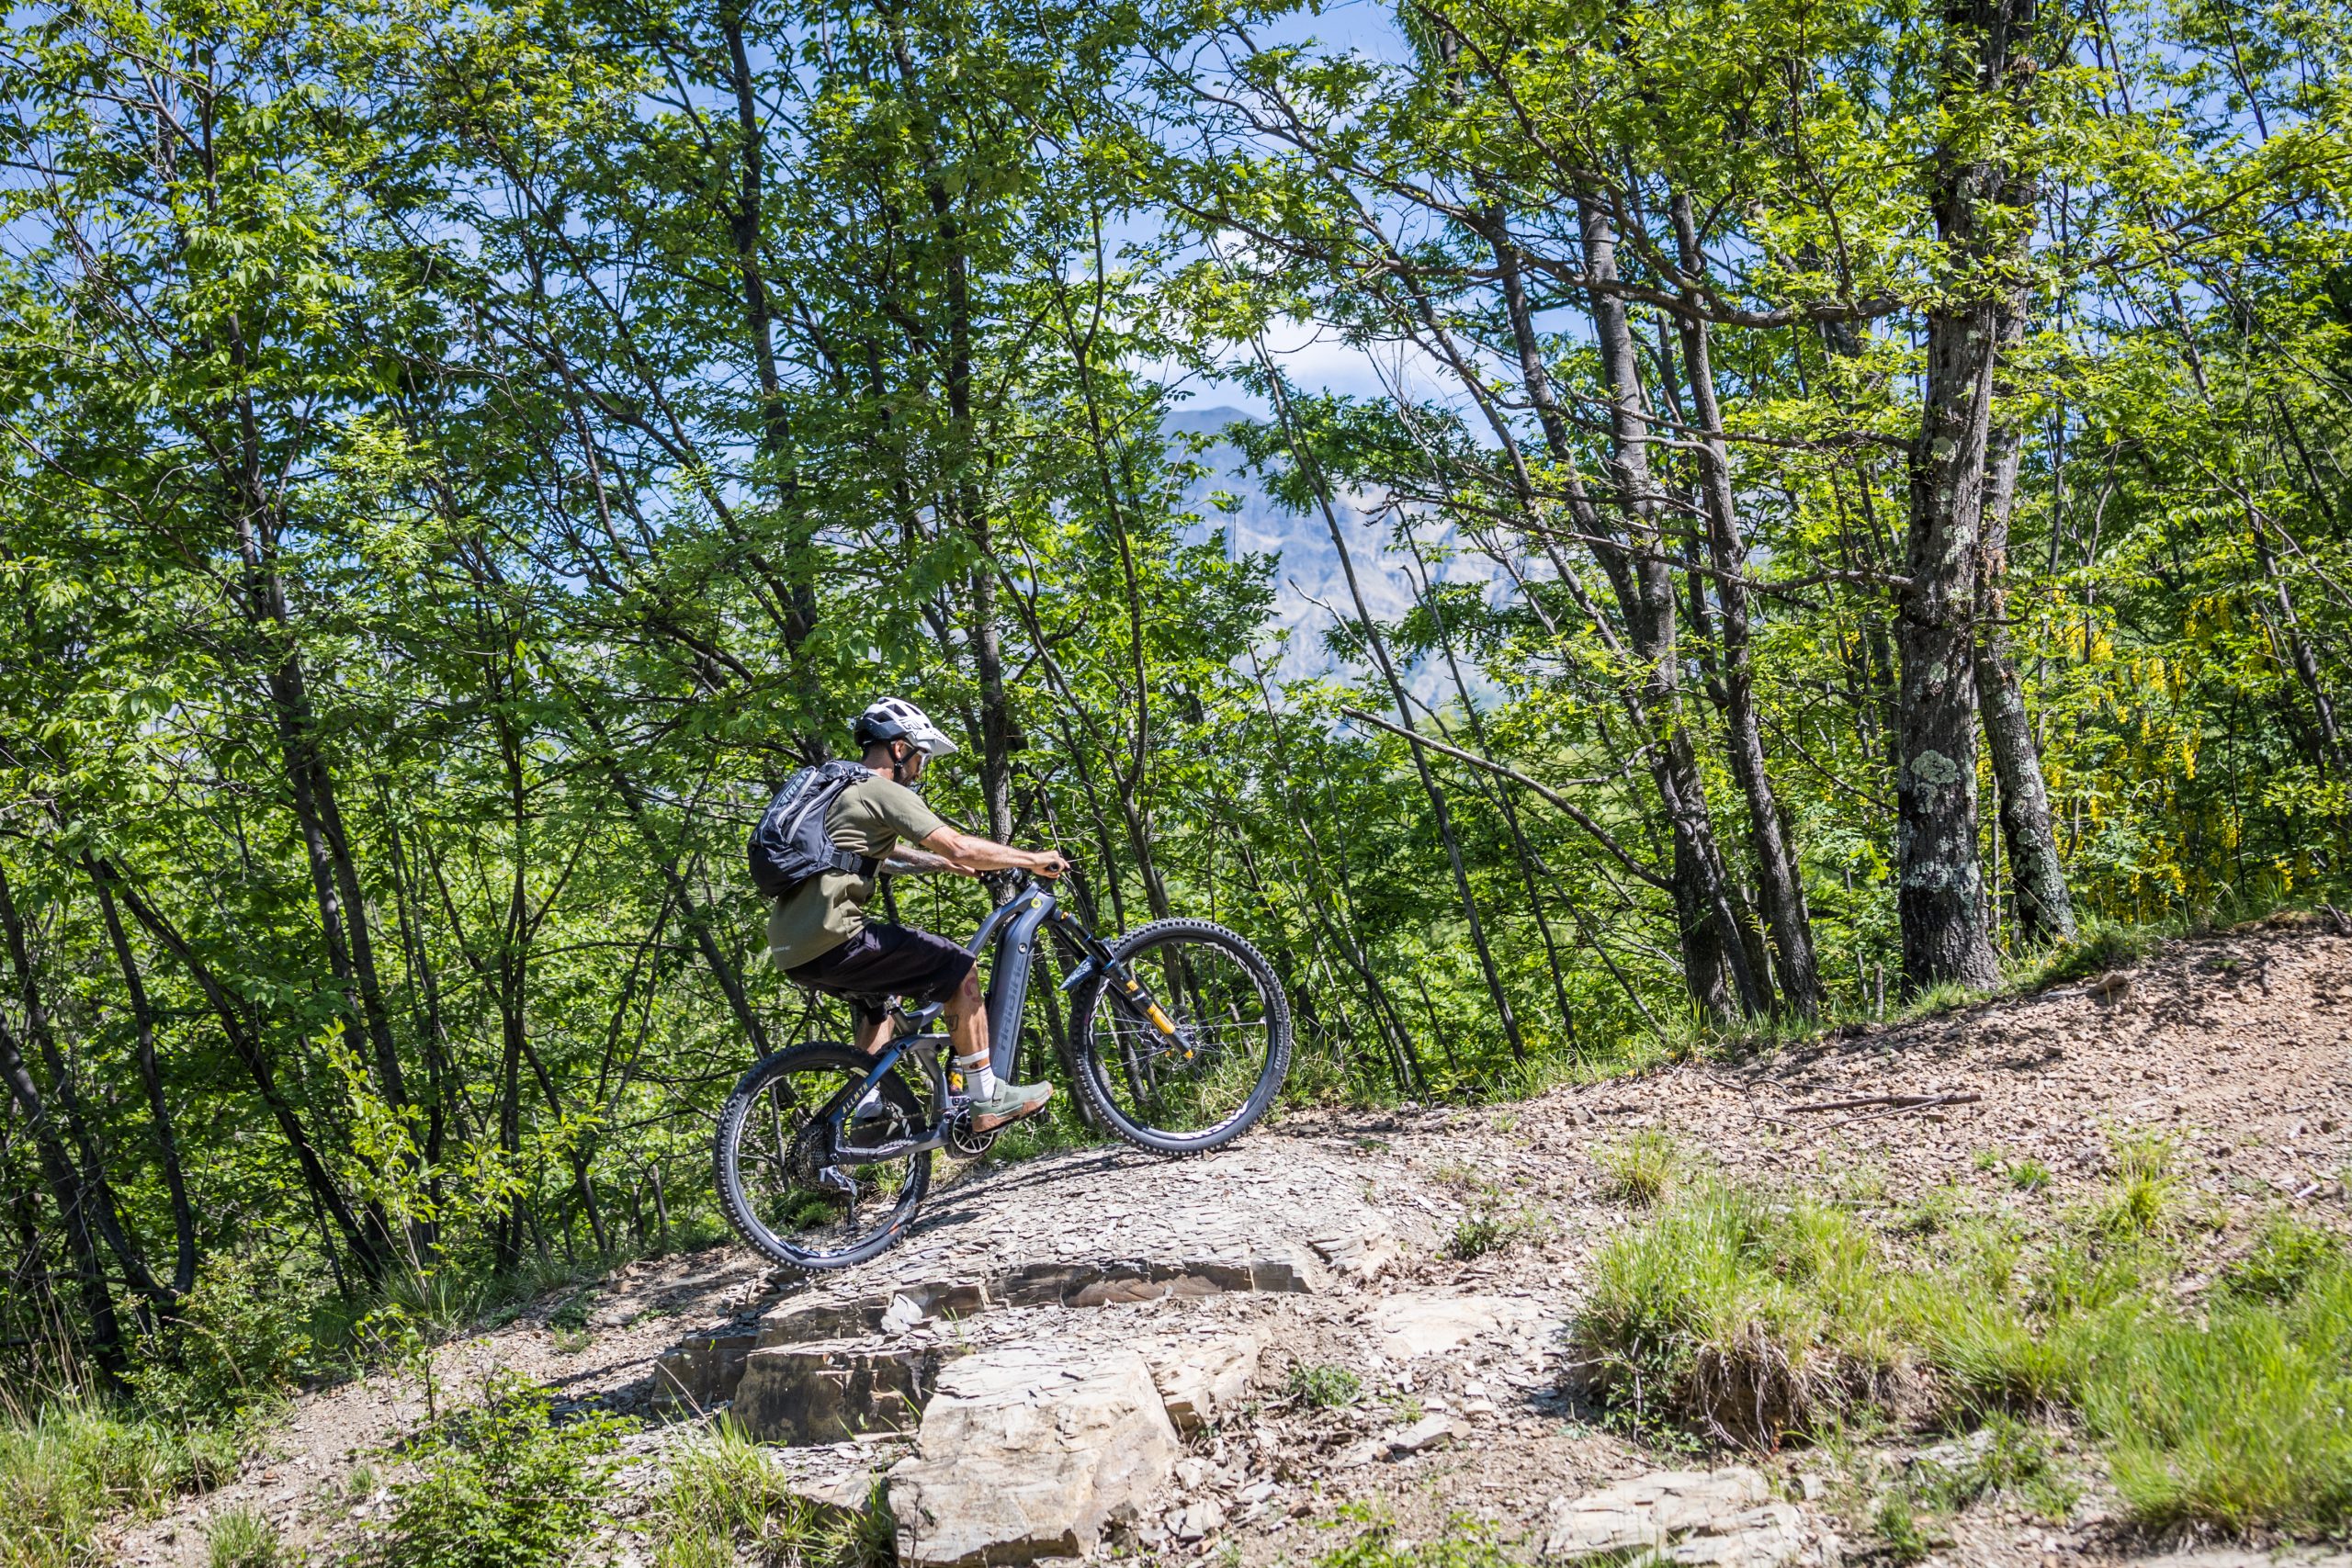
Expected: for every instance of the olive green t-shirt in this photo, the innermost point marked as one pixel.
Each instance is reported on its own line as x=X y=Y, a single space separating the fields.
x=867 y=819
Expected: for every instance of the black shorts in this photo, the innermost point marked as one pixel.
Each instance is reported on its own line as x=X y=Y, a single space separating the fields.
x=885 y=960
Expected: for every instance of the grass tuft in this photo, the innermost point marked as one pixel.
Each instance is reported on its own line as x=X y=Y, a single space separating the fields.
x=1898 y=1531
x=1489 y=1230
x=1640 y=1168
x=2287 y=1256
x=726 y=1499
x=1464 y=1541
x=1935 y=1211
x=242 y=1537
x=1748 y=1320
x=2007 y=1457
x=1718 y=1314
x=2240 y=1421
x=2142 y=1201
x=65 y=1471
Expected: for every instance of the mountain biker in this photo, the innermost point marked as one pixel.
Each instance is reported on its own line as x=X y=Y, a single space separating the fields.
x=820 y=935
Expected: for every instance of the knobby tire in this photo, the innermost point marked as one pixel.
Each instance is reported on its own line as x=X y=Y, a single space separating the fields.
x=736 y=1206
x=1092 y=1075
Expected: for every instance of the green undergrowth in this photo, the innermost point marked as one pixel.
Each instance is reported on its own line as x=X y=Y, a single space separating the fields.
x=727 y=1501
x=1754 y=1319
x=1464 y=1541
x=76 y=1464
x=1061 y=1130
x=1323 y=1387
x=2098 y=947
x=501 y=1484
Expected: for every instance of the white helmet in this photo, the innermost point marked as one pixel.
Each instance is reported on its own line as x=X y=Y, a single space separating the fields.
x=894 y=718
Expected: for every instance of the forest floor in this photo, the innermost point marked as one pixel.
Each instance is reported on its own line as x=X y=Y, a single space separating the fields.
x=2236 y=1049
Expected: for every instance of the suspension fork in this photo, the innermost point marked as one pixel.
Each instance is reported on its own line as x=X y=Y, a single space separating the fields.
x=1117 y=977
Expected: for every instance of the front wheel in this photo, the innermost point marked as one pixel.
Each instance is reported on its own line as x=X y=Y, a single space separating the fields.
x=783 y=1183
x=1195 y=1076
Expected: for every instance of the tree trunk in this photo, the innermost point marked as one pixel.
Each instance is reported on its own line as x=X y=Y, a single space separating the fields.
x=1646 y=576
x=73 y=1199
x=696 y=920
x=1699 y=900
x=744 y=221
x=1780 y=884
x=98 y=1204
x=167 y=1148
x=2037 y=876
x=1941 y=885
x=335 y=877
x=366 y=1247
x=1521 y=851
x=512 y=981
x=2328 y=738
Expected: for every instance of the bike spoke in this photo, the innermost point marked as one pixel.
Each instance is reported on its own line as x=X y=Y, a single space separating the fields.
x=1206 y=1073
x=809 y=1205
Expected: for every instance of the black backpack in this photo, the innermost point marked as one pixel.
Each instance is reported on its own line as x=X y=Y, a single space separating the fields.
x=790 y=845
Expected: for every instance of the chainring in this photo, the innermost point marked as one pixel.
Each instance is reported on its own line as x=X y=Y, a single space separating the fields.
x=966 y=1143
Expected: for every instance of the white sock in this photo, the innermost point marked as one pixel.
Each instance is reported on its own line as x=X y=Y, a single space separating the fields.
x=979 y=1078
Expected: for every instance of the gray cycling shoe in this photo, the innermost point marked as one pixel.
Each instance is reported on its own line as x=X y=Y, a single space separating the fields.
x=1011 y=1102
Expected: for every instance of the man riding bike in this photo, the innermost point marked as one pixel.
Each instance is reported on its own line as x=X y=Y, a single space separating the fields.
x=820 y=935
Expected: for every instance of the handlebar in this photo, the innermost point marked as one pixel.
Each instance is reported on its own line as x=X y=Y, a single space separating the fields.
x=1004 y=885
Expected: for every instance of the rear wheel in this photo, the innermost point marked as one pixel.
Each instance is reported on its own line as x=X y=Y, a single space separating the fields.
x=1199 y=1083
x=783 y=1186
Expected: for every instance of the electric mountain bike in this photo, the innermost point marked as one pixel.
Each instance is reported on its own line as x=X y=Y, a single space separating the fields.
x=1180 y=1039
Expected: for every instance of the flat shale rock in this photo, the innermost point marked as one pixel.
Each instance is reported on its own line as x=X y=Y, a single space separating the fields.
x=1097 y=1226
x=701 y=1371
x=838 y=1480
x=1405 y=1329
x=1028 y=1452
x=1722 y=1518
x=1084 y=1230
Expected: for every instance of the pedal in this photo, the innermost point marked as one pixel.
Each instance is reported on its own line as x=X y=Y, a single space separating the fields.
x=833 y=1178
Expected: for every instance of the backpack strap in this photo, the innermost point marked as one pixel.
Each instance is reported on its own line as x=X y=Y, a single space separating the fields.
x=860 y=866
x=831 y=779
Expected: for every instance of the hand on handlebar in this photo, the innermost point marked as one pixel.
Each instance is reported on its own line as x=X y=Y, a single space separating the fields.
x=1049 y=865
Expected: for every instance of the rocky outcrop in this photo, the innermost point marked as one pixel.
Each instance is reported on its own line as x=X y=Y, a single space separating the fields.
x=827 y=1392
x=1724 y=1519
x=1122 y=1230
x=1200 y=1372
x=1029 y=1451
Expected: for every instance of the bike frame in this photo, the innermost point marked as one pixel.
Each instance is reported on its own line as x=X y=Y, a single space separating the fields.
x=1013 y=925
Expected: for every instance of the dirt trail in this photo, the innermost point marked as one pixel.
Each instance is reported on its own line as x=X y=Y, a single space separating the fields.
x=2236 y=1047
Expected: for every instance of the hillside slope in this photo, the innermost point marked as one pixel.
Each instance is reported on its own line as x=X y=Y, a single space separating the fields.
x=1353 y=1321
